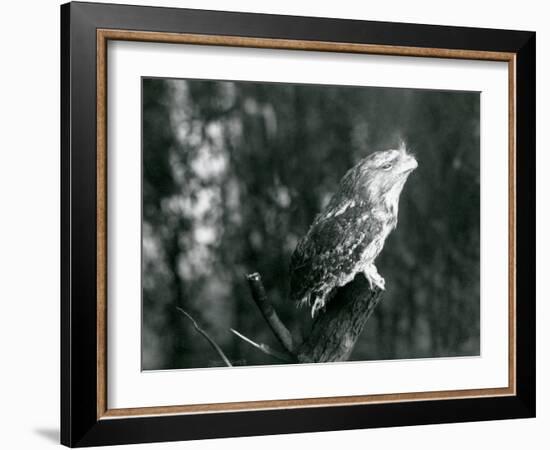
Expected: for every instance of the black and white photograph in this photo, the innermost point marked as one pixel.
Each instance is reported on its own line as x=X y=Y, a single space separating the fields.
x=287 y=223
x=275 y=225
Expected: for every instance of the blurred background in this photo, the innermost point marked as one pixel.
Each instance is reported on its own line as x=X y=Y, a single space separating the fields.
x=235 y=172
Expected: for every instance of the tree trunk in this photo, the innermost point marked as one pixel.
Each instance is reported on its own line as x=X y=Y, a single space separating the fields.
x=336 y=329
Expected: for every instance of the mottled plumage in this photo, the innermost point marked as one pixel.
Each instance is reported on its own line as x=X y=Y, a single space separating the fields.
x=348 y=235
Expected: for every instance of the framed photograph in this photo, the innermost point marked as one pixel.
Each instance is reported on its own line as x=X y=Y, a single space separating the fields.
x=276 y=224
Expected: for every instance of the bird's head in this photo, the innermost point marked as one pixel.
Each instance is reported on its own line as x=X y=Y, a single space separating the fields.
x=380 y=177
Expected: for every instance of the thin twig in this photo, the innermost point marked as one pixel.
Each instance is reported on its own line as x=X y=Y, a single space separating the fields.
x=263 y=347
x=260 y=298
x=207 y=337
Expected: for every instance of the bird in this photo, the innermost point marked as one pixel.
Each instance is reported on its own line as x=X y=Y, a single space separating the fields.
x=347 y=236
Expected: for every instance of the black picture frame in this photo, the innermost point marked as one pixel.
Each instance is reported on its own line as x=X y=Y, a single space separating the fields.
x=80 y=425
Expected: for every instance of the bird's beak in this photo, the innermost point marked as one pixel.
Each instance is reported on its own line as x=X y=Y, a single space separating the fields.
x=409 y=163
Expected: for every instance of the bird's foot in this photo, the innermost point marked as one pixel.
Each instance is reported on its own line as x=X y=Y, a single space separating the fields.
x=374 y=278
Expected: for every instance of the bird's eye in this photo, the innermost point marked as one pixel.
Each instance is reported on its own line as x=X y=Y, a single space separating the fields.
x=387 y=166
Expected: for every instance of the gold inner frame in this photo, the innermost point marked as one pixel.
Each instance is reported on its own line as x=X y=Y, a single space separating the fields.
x=104 y=35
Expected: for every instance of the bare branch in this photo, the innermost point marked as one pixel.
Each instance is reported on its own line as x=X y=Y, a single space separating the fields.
x=264 y=348
x=260 y=298
x=207 y=337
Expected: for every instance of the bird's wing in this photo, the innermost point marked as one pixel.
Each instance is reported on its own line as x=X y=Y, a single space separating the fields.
x=331 y=249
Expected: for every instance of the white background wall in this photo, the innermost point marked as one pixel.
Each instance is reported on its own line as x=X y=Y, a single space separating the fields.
x=29 y=224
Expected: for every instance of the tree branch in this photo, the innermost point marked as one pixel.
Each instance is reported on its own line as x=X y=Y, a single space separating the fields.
x=264 y=348
x=260 y=298
x=337 y=327
x=207 y=337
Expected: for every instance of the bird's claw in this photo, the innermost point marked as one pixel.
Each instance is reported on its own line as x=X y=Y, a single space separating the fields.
x=374 y=278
